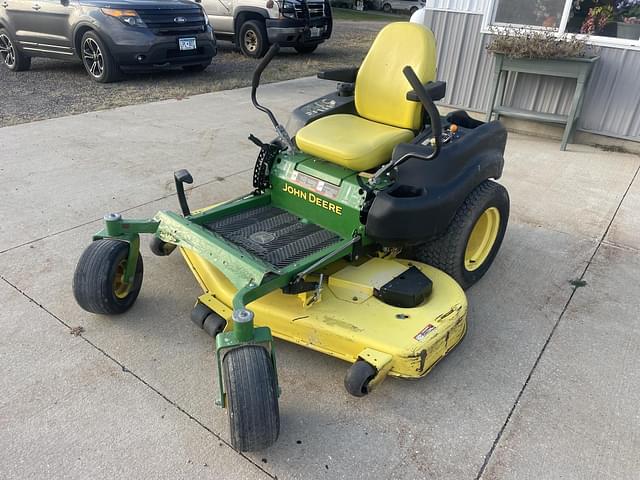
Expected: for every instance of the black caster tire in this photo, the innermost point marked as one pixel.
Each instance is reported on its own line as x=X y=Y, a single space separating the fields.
x=98 y=286
x=472 y=240
x=253 y=39
x=97 y=60
x=305 y=49
x=195 y=68
x=200 y=313
x=359 y=377
x=214 y=324
x=13 y=59
x=160 y=248
x=252 y=398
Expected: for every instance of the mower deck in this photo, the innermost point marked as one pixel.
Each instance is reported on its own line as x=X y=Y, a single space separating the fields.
x=349 y=322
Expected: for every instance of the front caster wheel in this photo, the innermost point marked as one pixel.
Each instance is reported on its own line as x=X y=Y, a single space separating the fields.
x=252 y=398
x=358 y=378
x=160 y=248
x=99 y=285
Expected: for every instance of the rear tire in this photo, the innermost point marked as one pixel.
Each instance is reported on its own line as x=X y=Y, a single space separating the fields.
x=253 y=39
x=305 y=49
x=252 y=398
x=464 y=251
x=13 y=59
x=97 y=60
x=387 y=8
x=98 y=283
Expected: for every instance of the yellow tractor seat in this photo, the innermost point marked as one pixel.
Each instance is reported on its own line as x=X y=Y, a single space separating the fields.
x=351 y=141
x=385 y=118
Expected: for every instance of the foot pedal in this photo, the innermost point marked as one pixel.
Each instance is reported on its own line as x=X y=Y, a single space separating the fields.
x=407 y=290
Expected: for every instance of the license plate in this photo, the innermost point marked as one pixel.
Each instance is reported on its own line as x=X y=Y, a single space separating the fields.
x=187 y=43
x=315 y=32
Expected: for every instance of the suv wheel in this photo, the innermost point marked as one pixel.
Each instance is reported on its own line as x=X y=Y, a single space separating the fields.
x=253 y=39
x=13 y=59
x=387 y=8
x=97 y=60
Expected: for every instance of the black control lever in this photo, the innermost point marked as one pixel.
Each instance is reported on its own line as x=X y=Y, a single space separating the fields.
x=430 y=108
x=255 y=83
x=181 y=177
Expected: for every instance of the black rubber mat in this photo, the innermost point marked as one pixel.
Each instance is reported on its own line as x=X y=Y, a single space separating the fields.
x=273 y=235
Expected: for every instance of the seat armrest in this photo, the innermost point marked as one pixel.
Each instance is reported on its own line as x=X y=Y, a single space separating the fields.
x=436 y=91
x=347 y=75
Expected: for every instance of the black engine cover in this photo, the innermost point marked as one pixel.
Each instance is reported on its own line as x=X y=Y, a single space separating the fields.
x=426 y=195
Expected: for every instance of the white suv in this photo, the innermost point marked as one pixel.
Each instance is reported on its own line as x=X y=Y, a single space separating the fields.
x=410 y=6
x=255 y=24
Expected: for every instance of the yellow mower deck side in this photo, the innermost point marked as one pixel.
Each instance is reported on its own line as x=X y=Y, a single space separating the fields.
x=409 y=341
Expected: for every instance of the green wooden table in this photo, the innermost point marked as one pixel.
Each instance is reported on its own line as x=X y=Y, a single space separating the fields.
x=578 y=68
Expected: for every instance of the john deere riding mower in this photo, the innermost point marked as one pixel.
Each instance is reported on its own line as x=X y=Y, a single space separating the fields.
x=357 y=240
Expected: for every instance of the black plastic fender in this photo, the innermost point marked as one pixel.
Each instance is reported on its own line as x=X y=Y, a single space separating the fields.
x=426 y=194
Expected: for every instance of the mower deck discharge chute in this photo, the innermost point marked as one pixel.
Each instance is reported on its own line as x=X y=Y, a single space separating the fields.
x=358 y=240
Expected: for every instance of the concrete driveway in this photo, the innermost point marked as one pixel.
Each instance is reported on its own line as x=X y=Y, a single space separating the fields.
x=545 y=385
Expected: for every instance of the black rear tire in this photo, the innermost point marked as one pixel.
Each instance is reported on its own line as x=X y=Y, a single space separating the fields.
x=98 y=285
x=97 y=59
x=253 y=39
x=358 y=378
x=305 y=49
x=252 y=398
x=387 y=8
x=13 y=59
x=449 y=251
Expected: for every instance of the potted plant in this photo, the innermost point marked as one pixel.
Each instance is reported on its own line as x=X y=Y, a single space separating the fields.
x=629 y=19
x=519 y=43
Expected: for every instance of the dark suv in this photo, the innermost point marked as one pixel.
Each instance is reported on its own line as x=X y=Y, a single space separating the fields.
x=109 y=37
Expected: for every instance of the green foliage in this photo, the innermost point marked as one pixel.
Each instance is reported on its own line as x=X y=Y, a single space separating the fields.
x=516 y=42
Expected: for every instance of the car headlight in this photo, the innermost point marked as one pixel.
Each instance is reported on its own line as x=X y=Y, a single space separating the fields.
x=288 y=9
x=206 y=17
x=128 y=17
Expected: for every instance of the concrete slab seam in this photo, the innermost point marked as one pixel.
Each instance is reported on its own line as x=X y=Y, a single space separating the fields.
x=140 y=379
x=215 y=180
x=577 y=284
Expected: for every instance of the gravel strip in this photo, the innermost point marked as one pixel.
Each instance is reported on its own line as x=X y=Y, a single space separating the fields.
x=54 y=88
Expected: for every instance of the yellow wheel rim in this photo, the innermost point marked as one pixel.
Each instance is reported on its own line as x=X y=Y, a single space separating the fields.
x=120 y=286
x=482 y=238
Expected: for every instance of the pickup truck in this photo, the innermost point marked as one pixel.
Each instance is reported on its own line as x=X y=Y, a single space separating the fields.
x=255 y=24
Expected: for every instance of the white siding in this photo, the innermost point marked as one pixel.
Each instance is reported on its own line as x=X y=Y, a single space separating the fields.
x=612 y=97
x=468 y=6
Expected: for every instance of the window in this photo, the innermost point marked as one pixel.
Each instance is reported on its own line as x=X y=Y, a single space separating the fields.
x=607 y=22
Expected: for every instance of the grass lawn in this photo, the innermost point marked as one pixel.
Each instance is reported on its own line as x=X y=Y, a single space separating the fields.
x=366 y=16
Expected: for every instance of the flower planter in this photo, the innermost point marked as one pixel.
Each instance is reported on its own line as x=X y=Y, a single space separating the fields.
x=629 y=30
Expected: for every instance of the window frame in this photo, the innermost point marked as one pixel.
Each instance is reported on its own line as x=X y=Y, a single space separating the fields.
x=490 y=26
